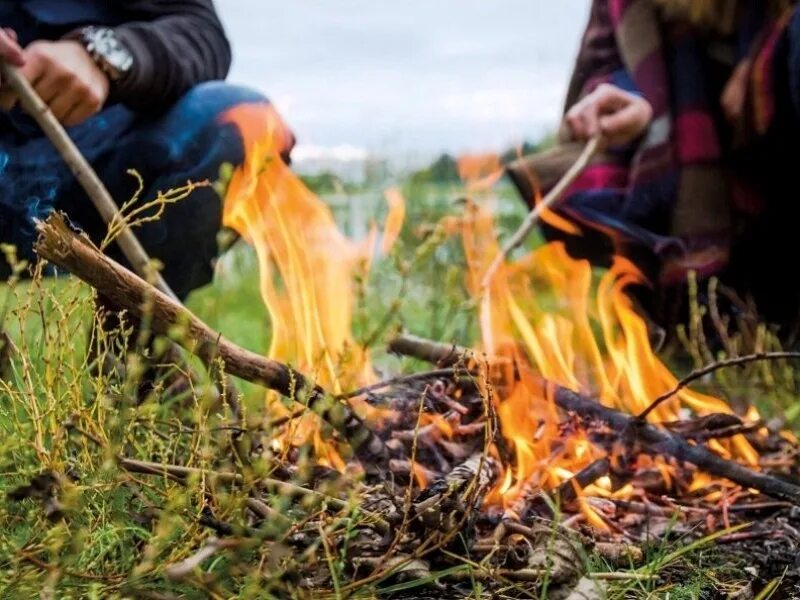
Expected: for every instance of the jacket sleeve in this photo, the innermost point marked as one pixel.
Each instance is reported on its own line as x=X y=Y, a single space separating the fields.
x=176 y=44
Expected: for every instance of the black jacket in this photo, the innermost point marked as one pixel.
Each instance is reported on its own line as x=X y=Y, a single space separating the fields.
x=176 y=44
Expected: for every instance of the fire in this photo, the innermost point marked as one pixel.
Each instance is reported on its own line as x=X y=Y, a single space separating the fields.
x=540 y=313
x=541 y=317
x=307 y=266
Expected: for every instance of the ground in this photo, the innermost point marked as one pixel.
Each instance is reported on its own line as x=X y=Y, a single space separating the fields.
x=87 y=529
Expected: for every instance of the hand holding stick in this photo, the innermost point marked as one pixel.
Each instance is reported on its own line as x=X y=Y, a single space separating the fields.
x=83 y=171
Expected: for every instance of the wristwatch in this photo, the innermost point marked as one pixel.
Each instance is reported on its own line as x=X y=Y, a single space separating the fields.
x=106 y=50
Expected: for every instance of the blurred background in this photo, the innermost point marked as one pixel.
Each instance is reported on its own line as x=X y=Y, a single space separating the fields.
x=404 y=82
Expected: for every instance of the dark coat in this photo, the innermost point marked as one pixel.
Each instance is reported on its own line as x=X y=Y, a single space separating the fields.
x=176 y=44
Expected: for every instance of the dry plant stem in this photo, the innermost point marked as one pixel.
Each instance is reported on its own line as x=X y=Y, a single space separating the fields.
x=68 y=250
x=708 y=369
x=82 y=170
x=179 y=473
x=651 y=440
x=593 y=146
x=94 y=188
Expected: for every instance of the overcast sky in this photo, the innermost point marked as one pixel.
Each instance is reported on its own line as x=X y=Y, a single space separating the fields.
x=404 y=76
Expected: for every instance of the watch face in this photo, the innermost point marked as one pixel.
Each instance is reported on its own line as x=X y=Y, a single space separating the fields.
x=110 y=54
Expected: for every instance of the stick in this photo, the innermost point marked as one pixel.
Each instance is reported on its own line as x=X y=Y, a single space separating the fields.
x=94 y=188
x=698 y=373
x=83 y=171
x=593 y=146
x=655 y=441
x=436 y=353
x=63 y=247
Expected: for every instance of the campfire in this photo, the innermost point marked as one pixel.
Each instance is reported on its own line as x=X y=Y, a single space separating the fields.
x=560 y=432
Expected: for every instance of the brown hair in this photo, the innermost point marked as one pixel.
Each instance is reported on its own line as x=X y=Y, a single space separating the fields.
x=719 y=15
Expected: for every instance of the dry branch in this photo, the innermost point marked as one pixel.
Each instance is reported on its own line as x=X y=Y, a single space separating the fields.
x=647 y=438
x=75 y=253
x=593 y=146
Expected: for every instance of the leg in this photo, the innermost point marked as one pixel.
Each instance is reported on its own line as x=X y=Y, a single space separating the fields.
x=188 y=143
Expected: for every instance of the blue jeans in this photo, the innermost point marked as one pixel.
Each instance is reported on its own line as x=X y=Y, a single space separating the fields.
x=187 y=143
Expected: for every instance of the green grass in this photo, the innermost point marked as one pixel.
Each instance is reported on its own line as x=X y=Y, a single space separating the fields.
x=121 y=532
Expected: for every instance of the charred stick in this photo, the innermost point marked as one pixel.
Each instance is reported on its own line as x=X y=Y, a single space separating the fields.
x=653 y=441
x=68 y=250
x=436 y=353
x=566 y=492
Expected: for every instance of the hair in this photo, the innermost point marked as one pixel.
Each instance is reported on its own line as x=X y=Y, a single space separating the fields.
x=719 y=15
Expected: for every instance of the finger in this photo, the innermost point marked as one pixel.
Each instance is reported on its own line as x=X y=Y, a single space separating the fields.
x=81 y=112
x=10 y=49
x=63 y=104
x=625 y=124
x=52 y=84
x=612 y=99
x=7 y=99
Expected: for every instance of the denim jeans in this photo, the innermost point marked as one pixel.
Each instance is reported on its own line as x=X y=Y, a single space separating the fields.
x=187 y=143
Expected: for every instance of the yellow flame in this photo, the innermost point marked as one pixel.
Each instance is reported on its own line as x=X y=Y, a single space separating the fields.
x=307 y=266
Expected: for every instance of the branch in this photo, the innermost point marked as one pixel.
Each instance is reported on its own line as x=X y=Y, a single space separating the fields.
x=64 y=248
x=593 y=146
x=723 y=364
x=652 y=440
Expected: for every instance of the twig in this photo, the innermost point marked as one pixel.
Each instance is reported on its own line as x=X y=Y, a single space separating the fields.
x=593 y=146
x=63 y=247
x=708 y=369
x=400 y=380
x=655 y=441
x=83 y=171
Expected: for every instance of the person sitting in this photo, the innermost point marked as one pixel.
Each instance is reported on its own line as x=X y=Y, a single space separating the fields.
x=698 y=102
x=138 y=84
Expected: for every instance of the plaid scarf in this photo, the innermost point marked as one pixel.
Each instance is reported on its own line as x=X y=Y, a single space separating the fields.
x=677 y=198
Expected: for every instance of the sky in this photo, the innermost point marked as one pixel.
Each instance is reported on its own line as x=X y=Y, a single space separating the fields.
x=407 y=77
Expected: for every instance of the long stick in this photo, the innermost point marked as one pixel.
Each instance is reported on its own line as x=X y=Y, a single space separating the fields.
x=83 y=171
x=64 y=248
x=593 y=146
x=651 y=440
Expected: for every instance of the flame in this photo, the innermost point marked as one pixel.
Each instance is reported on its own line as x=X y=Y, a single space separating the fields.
x=541 y=318
x=540 y=312
x=307 y=267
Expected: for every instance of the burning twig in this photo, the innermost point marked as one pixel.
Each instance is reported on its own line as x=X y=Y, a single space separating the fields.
x=568 y=491
x=723 y=364
x=63 y=247
x=652 y=440
x=592 y=148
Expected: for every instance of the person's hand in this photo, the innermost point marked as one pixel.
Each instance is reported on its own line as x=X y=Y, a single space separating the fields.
x=65 y=77
x=734 y=96
x=620 y=117
x=10 y=50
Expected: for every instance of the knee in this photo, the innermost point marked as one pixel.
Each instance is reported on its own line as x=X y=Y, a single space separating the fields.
x=194 y=132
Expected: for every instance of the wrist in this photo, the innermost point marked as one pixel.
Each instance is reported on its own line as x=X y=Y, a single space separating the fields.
x=105 y=49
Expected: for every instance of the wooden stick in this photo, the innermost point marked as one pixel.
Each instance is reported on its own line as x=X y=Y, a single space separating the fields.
x=716 y=366
x=83 y=171
x=94 y=188
x=593 y=146
x=652 y=440
x=64 y=248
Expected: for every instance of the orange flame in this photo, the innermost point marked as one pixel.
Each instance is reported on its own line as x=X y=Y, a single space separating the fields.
x=595 y=344
x=307 y=265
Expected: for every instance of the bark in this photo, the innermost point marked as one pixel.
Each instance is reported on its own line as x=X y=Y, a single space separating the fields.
x=642 y=436
x=74 y=253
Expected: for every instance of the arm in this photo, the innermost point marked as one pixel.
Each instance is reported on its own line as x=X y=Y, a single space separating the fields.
x=176 y=44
